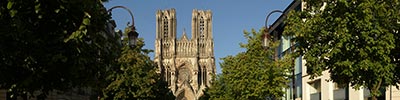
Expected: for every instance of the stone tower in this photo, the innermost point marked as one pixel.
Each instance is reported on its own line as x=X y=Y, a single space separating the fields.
x=187 y=64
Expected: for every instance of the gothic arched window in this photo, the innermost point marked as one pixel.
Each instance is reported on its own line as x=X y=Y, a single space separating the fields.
x=169 y=74
x=201 y=29
x=204 y=75
x=199 y=75
x=165 y=19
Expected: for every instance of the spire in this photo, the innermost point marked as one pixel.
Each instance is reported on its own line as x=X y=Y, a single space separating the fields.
x=184 y=37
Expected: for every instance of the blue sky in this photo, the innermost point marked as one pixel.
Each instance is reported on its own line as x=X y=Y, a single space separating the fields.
x=230 y=19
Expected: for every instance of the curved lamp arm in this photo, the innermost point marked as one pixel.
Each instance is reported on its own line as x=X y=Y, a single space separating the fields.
x=266 y=39
x=266 y=19
x=132 y=34
x=129 y=11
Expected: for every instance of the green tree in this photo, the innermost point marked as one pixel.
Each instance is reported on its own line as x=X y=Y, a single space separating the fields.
x=136 y=77
x=253 y=74
x=53 y=45
x=357 y=41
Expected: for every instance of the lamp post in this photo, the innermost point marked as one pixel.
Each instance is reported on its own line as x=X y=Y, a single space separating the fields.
x=267 y=36
x=266 y=45
x=132 y=34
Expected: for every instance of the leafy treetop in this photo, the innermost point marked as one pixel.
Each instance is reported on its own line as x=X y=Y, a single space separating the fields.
x=253 y=74
x=356 y=41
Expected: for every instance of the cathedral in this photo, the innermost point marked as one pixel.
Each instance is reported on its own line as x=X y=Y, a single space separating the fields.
x=186 y=64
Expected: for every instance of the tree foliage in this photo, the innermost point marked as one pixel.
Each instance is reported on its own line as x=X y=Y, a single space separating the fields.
x=136 y=77
x=53 y=45
x=253 y=74
x=357 y=41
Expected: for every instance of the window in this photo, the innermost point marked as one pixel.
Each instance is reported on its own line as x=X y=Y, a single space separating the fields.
x=168 y=71
x=340 y=92
x=165 y=19
x=315 y=90
x=201 y=29
x=199 y=76
x=315 y=86
x=204 y=75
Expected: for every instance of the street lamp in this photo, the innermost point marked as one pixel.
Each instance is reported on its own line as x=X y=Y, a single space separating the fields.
x=132 y=37
x=266 y=42
x=266 y=38
x=266 y=35
x=132 y=34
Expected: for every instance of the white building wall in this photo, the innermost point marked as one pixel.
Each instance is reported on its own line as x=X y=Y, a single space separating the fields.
x=326 y=86
x=304 y=82
x=392 y=93
x=356 y=94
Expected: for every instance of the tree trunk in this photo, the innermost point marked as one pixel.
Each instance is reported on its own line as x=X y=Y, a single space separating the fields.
x=374 y=90
x=24 y=96
x=374 y=98
x=373 y=93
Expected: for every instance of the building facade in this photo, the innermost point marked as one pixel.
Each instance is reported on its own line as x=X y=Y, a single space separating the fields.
x=301 y=87
x=187 y=64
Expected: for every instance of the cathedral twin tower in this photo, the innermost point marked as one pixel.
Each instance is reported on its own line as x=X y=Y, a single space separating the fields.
x=187 y=64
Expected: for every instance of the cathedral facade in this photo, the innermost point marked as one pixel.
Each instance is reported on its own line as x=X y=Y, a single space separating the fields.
x=187 y=64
